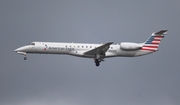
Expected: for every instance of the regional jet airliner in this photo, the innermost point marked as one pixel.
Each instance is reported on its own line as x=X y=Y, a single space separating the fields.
x=96 y=51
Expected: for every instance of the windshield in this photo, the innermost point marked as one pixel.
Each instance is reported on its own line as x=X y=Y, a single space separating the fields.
x=32 y=44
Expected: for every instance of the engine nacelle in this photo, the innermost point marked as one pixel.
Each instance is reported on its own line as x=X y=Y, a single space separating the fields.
x=129 y=46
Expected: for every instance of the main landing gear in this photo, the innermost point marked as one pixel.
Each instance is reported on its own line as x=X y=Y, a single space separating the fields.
x=97 y=62
x=97 y=59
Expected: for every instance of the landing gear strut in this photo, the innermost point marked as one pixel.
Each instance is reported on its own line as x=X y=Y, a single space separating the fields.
x=97 y=59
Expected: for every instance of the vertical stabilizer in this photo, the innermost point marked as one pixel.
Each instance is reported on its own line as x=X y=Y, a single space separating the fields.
x=153 y=41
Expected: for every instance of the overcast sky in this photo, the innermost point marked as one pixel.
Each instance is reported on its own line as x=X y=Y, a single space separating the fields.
x=67 y=80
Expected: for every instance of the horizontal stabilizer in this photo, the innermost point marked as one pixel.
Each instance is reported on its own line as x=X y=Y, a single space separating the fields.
x=162 y=32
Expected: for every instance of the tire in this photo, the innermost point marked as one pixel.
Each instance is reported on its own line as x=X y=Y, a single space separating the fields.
x=25 y=58
x=97 y=63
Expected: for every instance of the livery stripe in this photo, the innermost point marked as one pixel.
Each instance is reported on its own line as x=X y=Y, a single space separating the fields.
x=151 y=46
x=148 y=50
x=159 y=36
x=155 y=42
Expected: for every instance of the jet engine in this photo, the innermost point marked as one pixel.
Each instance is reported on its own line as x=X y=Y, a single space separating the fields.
x=129 y=46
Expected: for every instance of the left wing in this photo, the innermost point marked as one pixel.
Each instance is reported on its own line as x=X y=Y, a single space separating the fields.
x=99 y=50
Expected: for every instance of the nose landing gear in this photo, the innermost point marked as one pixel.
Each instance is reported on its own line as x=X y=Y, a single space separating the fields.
x=22 y=53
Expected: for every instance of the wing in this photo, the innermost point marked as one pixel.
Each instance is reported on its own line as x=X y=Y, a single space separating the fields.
x=99 y=50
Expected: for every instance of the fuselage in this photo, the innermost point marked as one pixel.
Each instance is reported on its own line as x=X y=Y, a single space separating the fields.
x=96 y=51
x=77 y=49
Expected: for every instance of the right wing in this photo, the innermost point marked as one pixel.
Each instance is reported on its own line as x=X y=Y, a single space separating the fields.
x=99 y=50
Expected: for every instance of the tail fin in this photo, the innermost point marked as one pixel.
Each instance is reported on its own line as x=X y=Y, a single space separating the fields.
x=153 y=41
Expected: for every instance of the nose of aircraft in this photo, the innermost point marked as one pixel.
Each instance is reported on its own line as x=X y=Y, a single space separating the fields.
x=21 y=49
x=16 y=50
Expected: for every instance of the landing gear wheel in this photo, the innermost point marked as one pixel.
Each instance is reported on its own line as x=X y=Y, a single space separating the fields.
x=25 y=58
x=97 y=62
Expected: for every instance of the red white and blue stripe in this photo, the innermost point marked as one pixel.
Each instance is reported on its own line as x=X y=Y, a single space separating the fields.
x=152 y=43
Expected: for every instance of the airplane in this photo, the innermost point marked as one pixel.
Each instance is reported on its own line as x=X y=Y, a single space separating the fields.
x=96 y=51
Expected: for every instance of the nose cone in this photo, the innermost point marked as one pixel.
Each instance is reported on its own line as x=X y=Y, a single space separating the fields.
x=22 y=49
x=16 y=50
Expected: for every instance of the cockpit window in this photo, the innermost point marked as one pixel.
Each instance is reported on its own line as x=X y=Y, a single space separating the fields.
x=32 y=43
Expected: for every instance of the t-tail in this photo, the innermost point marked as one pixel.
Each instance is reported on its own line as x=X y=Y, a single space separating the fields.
x=153 y=42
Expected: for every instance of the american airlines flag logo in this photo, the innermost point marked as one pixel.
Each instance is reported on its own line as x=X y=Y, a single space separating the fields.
x=152 y=43
x=45 y=47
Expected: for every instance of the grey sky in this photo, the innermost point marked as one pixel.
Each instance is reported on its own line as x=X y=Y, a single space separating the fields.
x=67 y=80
